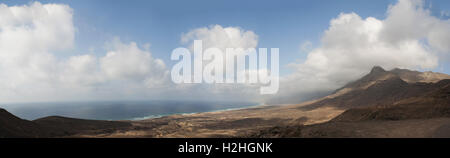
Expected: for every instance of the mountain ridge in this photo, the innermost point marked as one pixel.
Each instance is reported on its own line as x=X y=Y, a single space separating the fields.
x=382 y=104
x=13 y=126
x=395 y=103
x=379 y=86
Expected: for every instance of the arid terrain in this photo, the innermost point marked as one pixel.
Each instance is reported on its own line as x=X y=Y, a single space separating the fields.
x=396 y=103
x=211 y=124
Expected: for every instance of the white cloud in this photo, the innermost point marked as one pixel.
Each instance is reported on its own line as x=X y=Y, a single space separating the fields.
x=222 y=38
x=127 y=61
x=27 y=34
x=408 y=20
x=36 y=27
x=408 y=38
x=217 y=36
x=30 y=71
x=80 y=70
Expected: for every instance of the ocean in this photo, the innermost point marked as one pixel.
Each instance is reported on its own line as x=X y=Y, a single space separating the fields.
x=118 y=110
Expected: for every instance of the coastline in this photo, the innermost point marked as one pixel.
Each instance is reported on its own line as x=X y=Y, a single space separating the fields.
x=193 y=113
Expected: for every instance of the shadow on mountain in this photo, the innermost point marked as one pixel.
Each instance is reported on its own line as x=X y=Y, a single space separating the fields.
x=397 y=103
x=53 y=126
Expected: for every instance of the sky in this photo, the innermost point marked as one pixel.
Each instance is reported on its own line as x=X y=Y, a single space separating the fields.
x=67 y=50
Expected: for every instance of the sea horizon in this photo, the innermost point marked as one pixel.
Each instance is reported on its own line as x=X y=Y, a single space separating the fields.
x=119 y=110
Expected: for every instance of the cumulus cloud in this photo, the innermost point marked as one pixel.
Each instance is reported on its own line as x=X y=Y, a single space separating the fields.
x=408 y=20
x=30 y=35
x=129 y=62
x=80 y=70
x=31 y=71
x=27 y=34
x=217 y=36
x=222 y=38
x=409 y=37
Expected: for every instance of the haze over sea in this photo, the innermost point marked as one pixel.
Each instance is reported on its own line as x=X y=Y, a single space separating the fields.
x=117 y=110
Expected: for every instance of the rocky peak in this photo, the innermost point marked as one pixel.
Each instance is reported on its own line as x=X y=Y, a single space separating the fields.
x=377 y=69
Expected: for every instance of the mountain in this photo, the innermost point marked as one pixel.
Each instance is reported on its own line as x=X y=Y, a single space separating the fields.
x=432 y=104
x=53 y=126
x=12 y=126
x=396 y=103
x=58 y=126
x=380 y=87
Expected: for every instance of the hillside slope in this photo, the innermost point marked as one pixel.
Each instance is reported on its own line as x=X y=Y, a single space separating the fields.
x=382 y=104
x=381 y=87
x=12 y=126
x=54 y=126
